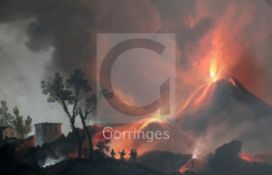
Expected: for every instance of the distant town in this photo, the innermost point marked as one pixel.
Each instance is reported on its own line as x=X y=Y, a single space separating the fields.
x=44 y=133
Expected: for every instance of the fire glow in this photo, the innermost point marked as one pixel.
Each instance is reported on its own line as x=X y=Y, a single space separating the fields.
x=214 y=58
x=199 y=97
x=214 y=73
x=135 y=135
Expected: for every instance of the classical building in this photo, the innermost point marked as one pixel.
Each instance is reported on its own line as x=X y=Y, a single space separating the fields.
x=47 y=132
x=8 y=132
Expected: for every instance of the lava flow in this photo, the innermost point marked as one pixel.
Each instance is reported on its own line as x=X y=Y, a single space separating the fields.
x=203 y=93
x=258 y=158
x=132 y=135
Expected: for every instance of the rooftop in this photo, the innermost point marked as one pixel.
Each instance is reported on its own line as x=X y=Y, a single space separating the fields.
x=48 y=123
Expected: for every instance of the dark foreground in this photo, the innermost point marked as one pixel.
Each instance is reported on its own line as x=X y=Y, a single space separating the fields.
x=224 y=161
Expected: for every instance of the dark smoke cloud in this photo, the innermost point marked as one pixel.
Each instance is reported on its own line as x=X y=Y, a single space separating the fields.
x=65 y=30
x=64 y=25
x=176 y=16
x=70 y=26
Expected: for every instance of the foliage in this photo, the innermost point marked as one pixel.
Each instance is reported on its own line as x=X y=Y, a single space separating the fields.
x=23 y=126
x=5 y=116
x=15 y=120
x=77 y=99
x=103 y=146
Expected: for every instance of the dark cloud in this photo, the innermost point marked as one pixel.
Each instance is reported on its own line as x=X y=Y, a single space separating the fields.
x=62 y=24
x=179 y=17
x=70 y=26
x=64 y=30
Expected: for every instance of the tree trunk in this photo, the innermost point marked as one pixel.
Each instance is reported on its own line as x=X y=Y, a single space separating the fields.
x=74 y=129
x=88 y=137
x=78 y=138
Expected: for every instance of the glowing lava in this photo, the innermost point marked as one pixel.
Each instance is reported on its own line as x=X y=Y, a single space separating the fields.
x=193 y=166
x=246 y=157
x=214 y=72
x=156 y=118
x=260 y=158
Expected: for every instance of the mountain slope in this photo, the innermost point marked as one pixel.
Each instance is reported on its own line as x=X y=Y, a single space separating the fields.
x=230 y=111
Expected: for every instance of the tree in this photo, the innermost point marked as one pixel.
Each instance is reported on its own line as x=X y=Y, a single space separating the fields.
x=28 y=123
x=86 y=103
x=23 y=126
x=87 y=109
x=5 y=116
x=77 y=98
x=58 y=91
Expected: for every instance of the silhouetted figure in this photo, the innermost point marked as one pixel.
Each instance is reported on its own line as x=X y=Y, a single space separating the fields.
x=133 y=155
x=113 y=153
x=122 y=154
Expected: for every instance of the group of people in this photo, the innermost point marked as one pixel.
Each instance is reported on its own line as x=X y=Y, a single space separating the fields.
x=122 y=154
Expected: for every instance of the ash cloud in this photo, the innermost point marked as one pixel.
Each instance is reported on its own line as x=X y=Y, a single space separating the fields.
x=65 y=31
x=64 y=25
x=70 y=26
x=21 y=72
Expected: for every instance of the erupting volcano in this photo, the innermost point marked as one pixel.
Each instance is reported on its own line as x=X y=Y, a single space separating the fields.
x=224 y=109
x=221 y=105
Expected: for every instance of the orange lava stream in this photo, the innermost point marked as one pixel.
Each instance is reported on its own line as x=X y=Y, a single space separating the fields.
x=203 y=93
